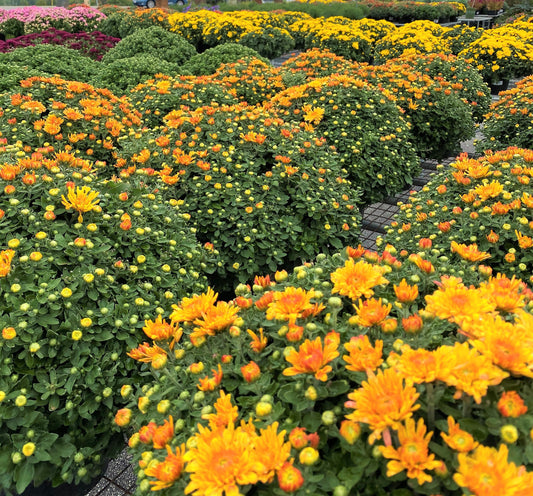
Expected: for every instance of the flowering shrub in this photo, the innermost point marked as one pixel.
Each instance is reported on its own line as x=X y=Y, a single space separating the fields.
x=82 y=263
x=480 y=208
x=156 y=97
x=460 y=36
x=317 y=63
x=413 y=38
x=11 y=75
x=439 y=119
x=38 y=19
x=142 y=19
x=122 y=75
x=347 y=377
x=65 y=115
x=270 y=42
x=52 y=59
x=342 y=39
x=465 y=81
x=500 y=54
x=406 y=11
x=376 y=151
x=509 y=120
x=225 y=28
x=191 y=26
x=208 y=62
x=251 y=80
x=263 y=192
x=169 y=47
x=93 y=45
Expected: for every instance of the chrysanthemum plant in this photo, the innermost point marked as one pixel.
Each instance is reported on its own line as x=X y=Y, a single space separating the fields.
x=480 y=208
x=66 y=115
x=83 y=262
x=365 y=126
x=266 y=193
x=358 y=374
x=509 y=119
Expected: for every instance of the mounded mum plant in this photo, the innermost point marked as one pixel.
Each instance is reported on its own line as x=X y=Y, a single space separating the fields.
x=366 y=128
x=465 y=80
x=350 y=376
x=510 y=119
x=83 y=262
x=156 y=97
x=251 y=80
x=155 y=40
x=66 y=115
x=317 y=63
x=208 y=62
x=481 y=209
x=266 y=193
x=440 y=119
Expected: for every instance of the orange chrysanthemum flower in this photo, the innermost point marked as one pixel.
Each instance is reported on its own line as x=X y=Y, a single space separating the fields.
x=412 y=454
x=210 y=383
x=215 y=319
x=424 y=265
x=225 y=414
x=149 y=354
x=273 y=449
x=290 y=304
x=504 y=292
x=160 y=330
x=168 y=471
x=223 y=460
x=258 y=342
x=82 y=199
x=312 y=358
x=356 y=279
x=523 y=241
x=488 y=190
x=190 y=309
x=5 y=262
x=363 y=356
x=382 y=402
x=290 y=479
x=163 y=434
x=508 y=345
x=371 y=312
x=511 y=405
x=405 y=293
x=457 y=439
x=457 y=303
x=469 y=252
x=8 y=172
x=419 y=366
x=469 y=371
x=487 y=472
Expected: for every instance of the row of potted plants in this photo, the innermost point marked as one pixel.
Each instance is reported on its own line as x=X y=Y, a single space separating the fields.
x=95 y=188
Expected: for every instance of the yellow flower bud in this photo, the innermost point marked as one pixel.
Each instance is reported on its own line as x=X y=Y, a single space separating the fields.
x=28 y=449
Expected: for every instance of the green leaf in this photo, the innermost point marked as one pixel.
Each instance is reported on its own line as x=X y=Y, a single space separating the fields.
x=24 y=476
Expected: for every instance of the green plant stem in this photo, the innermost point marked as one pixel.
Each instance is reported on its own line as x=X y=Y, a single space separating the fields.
x=430 y=396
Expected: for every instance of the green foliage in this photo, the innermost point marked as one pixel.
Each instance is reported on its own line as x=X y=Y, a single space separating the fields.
x=269 y=42
x=12 y=74
x=122 y=75
x=154 y=41
x=209 y=61
x=76 y=293
x=111 y=24
x=53 y=59
x=12 y=27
